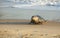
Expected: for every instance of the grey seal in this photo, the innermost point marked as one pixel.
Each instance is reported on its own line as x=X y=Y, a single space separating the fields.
x=36 y=19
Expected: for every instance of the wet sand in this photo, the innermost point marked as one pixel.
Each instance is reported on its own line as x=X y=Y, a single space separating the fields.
x=22 y=29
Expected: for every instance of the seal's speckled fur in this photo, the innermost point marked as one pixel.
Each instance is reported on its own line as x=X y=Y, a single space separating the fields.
x=37 y=20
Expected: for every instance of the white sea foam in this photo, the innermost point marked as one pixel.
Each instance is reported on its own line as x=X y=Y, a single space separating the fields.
x=30 y=3
x=38 y=2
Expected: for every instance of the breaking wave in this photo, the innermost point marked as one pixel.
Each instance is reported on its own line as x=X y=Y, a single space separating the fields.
x=29 y=3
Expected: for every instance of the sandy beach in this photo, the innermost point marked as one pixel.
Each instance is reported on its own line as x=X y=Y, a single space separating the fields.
x=22 y=29
x=16 y=15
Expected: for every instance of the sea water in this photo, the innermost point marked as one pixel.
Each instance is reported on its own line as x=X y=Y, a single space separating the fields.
x=17 y=13
x=7 y=11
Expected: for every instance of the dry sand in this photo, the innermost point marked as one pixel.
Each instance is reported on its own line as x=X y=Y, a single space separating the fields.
x=21 y=29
